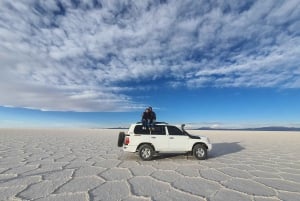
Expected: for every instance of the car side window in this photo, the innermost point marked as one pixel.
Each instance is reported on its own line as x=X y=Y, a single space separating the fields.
x=174 y=131
x=139 y=130
x=158 y=130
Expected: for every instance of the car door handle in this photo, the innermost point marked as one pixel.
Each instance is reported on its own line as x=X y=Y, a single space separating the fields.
x=153 y=137
x=171 y=138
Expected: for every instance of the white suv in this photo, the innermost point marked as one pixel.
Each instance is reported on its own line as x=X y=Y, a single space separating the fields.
x=164 y=138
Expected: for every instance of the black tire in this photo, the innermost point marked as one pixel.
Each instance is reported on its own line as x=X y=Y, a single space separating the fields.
x=200 y=152
x=146 y=152
x=121 y=139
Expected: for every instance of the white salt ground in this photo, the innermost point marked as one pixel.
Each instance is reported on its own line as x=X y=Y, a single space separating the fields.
x=86 y=164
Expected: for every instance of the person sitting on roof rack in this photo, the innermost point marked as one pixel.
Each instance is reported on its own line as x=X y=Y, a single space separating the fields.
x=152 y=118
x=146 y=117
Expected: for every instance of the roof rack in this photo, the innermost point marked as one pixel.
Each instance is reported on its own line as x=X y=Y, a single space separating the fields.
x=157 y=122
x=161 y=122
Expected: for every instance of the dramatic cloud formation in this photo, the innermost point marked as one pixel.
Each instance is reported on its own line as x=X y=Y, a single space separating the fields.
x=82 y=55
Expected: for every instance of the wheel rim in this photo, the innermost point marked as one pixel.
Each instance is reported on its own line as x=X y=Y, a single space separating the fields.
x=200 y=152
x=146 y=153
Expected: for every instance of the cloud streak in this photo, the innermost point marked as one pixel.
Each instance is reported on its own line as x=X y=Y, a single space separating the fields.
x=87 y=55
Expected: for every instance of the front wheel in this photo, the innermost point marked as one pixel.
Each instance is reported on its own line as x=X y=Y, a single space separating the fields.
x=146 y=152
x=200 y=152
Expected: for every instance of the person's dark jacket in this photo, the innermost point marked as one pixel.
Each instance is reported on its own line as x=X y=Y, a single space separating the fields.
x=152 y=116
x=146 y=116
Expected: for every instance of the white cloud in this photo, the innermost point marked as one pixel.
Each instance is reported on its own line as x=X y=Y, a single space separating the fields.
x=84 y=54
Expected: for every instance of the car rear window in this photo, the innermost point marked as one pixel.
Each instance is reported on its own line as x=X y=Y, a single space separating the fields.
x=158 y=130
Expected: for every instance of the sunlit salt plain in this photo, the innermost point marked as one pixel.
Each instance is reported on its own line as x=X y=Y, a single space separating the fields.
x=86 y=164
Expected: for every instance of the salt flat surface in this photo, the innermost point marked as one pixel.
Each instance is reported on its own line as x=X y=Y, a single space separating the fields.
x=86 y=164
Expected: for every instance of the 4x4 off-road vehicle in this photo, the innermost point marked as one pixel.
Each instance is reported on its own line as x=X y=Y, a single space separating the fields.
x=163 y=138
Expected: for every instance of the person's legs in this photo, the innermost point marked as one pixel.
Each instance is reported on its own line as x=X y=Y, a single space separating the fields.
x=148 y=125
x=145 y=124
x=152 y=123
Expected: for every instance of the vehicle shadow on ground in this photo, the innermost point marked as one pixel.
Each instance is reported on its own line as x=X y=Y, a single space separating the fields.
x=164 y=156
x=170 y=156
x=225 y=148
x=218 y=150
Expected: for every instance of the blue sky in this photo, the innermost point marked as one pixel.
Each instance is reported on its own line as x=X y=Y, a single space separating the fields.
x=75 y=63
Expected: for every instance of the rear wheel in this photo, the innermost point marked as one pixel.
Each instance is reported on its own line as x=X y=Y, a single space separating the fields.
x=121 y=139
x=200 y=152
x=146 y=152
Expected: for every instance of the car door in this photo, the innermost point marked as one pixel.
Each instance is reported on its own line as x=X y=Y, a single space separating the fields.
x=159 y=139
x=178 y=141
